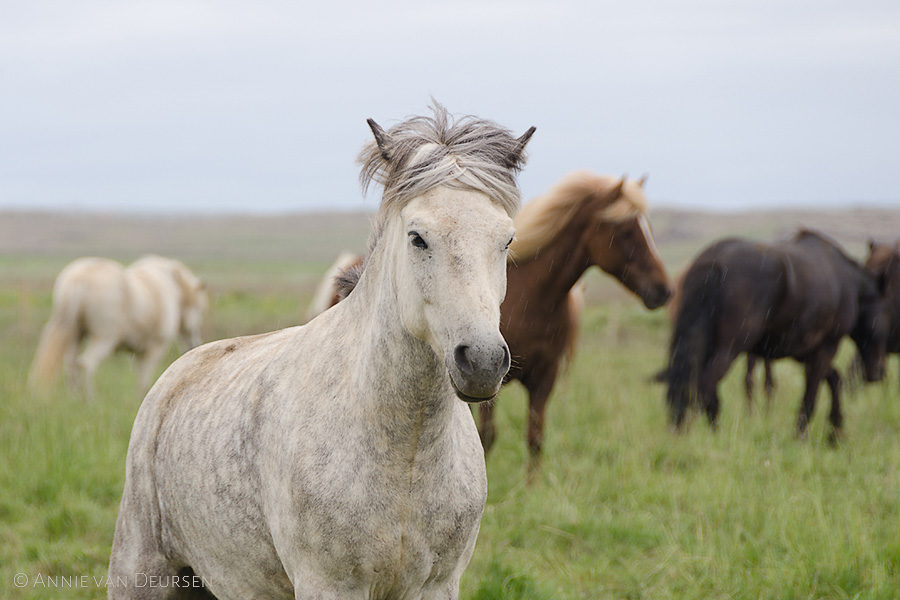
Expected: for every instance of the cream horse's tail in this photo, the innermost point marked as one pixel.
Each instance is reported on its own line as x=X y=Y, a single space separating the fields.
x=60 y=335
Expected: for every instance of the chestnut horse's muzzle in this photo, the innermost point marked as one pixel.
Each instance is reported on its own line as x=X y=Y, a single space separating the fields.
x=656 y=295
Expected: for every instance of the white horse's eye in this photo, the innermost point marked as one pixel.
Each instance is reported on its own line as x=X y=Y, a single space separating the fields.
x=416 y=240
x=509 y=243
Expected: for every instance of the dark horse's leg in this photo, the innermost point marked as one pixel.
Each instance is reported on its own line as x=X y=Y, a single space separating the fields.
x=770 y=382
x=748 y=379
x=836 y=418
x=818 y=367
x=707 y=385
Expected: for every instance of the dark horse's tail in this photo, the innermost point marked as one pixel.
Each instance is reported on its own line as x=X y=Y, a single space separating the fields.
x=691 y=339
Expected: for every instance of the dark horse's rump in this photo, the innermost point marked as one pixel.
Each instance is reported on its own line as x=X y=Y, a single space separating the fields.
x=794 y=299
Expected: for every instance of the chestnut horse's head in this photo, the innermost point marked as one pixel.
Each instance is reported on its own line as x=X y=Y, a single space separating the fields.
x=620 y=242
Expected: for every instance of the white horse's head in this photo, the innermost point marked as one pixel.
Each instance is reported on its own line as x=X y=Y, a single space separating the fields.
x=450 y=281
x=446 y=223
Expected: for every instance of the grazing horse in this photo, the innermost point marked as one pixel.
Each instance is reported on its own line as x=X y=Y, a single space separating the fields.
x=793 y=299
x=583 y=221
x=143 y=308
x=883 y=263
x=339 y=459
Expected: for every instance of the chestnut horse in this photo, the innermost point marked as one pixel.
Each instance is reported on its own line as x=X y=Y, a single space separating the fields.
x=793 y=299
x=585 y=220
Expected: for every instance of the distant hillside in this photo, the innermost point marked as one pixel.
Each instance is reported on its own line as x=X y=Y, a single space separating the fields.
x=293 y=250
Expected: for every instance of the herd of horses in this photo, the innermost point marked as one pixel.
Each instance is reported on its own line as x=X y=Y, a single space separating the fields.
x=340 y=458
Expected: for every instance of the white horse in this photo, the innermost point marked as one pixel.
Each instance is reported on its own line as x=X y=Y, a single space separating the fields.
x=339 y=459
x=143 y=308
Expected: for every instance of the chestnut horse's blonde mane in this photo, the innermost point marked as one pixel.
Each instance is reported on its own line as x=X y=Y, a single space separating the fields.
x=542 y=219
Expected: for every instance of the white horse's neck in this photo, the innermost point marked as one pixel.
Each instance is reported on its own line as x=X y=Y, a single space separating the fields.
x=402 y=383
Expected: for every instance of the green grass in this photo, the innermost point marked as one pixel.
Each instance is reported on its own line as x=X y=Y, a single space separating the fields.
x=622 y=508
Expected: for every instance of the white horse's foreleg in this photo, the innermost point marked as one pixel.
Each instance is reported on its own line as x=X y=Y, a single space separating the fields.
x=96 y=350
x=147 y=365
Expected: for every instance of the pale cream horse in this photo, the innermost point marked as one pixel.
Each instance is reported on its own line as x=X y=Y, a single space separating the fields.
x=339 y=459
x=96 y=301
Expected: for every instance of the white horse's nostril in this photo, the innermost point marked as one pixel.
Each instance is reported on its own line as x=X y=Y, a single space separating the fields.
x=462 y=359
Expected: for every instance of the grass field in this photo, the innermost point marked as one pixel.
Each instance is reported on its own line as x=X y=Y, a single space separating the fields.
x=621 y=509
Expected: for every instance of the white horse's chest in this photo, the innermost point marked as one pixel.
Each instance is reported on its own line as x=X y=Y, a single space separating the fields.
x=379 y=523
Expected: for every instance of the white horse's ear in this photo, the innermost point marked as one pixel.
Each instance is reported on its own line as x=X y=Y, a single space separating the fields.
x=384 y=141
x=514 y=159
x=642 y=180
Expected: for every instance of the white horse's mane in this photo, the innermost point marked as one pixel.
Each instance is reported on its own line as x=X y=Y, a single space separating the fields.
x=421 y=153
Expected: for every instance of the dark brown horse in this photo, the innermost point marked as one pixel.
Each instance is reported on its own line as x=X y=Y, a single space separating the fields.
x=585 y=220
x=769 y=383
x=793 y=299
x=883 y=263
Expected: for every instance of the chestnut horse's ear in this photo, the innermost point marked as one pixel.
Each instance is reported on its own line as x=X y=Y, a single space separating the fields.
x=642 y=180
x=384 y=141
x=514 y=158
x=617 y=191
x=872 y=244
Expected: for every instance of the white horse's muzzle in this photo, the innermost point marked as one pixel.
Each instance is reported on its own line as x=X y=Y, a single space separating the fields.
x=477 y=370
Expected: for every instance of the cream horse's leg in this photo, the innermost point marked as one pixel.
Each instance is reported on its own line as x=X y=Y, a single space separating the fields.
x=95 y=352
x=70 y=367
x=147 y=363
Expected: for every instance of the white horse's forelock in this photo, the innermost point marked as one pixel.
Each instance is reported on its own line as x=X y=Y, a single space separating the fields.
x=427 y=152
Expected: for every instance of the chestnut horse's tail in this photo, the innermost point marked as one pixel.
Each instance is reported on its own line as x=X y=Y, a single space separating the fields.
x=691 y=339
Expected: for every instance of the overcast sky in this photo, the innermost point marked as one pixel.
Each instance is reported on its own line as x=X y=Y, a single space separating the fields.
x=261 y=105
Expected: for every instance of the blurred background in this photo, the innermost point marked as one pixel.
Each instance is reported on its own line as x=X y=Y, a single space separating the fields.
x=202 y=106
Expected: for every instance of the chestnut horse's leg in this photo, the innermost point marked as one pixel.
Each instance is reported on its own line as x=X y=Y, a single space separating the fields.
x=487 y=431
x=539 y=386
